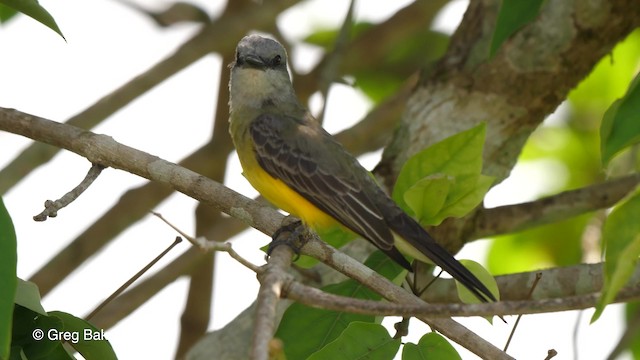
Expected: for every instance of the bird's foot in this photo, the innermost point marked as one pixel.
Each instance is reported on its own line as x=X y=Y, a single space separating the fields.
x=292 y=233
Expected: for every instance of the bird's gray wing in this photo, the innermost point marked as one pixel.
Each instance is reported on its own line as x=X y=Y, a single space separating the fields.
x=311 y=162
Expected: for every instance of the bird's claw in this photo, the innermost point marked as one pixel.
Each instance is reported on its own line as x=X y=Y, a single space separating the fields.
x=291 y=234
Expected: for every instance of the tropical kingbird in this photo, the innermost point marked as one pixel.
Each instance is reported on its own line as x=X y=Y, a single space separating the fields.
x=295 y=164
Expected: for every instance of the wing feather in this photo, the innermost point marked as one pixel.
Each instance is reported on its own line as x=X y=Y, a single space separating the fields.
x=307 y=159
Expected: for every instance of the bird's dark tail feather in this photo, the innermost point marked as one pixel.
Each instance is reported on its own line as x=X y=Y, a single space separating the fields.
x=417 y=236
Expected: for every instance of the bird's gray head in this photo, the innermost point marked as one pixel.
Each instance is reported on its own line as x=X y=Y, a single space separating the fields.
x=260 y=53
x=259 y=75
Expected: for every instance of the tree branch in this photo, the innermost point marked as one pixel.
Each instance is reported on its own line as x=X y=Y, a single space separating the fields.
x=51 y=207
x=389 y=291
x=314 y=297
x=233 y=25
x=512 y=218
x=271 y=283
x=103 y=150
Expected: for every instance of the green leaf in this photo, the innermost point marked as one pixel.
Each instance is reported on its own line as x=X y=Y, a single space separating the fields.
x=427 y=196
x=360 y=340
x=458 y=159
x=34 y=10
x=323 y=326
x=430 y=346
x=8 y=280
x=6 y=13
x=92 y=343
x=621 y=236
x=467 y=193
x=28 y=295
x=37 y=336
x=513 y=15
x=483 y=275
x=621 y=123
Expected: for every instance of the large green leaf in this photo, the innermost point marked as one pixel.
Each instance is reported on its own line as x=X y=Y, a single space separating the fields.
x=444 y=179
x=323 y=326
x=92 y=343
x=513 y=15
x=621 y=236
x=360 y=340
x=37 y=336
x=430 y=346
x=33 y=9
x=8 y=280
x=621 y=123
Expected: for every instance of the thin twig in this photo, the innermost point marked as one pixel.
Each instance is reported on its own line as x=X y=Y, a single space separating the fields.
x=208 y=245
x=515 y=326
x=51 y=207
x=135 y=277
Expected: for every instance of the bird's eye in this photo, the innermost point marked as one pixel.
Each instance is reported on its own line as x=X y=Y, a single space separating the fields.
x=238 y=60
x=276 y=60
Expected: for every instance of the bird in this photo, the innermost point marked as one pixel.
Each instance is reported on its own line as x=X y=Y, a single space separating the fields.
x=299 y=167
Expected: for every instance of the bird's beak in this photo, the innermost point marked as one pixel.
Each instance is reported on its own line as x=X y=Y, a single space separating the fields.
x=254 y=61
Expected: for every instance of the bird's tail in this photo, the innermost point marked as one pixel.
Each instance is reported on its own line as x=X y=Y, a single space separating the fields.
x=416 y=236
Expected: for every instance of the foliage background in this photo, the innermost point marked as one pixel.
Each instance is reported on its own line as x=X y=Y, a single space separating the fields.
x=108 y=44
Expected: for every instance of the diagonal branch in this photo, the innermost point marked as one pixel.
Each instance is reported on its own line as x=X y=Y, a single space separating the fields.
x=207 y=40
x=103 y=150
x=512 y=218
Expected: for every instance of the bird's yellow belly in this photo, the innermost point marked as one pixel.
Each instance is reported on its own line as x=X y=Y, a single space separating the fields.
x=287 y=199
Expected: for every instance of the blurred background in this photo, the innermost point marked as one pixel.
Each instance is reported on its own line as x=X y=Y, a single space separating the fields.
x=108 y=43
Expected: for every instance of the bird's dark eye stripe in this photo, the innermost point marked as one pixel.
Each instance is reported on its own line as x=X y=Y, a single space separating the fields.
x=276 y=60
